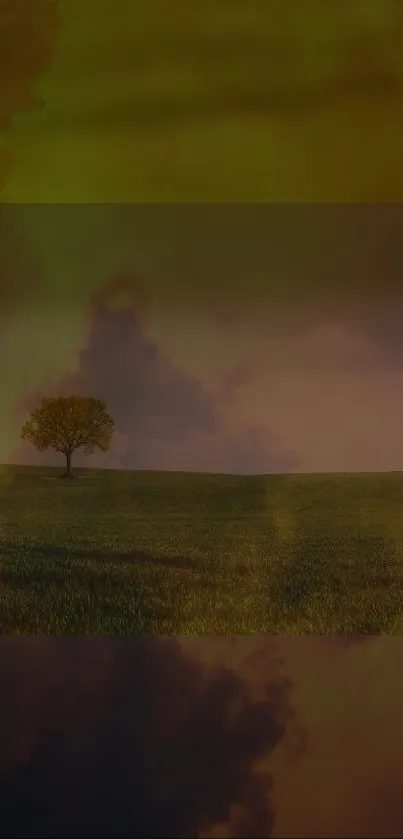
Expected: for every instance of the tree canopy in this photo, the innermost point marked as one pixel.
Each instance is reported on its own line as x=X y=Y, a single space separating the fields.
x=67 y=423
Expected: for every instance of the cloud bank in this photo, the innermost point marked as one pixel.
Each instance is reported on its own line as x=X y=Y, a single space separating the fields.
x=165 y=418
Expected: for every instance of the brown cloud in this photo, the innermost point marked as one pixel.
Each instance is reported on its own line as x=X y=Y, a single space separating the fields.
x=337 y=770
x=349 y=700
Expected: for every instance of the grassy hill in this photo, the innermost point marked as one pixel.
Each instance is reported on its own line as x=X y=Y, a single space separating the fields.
x=160 y=552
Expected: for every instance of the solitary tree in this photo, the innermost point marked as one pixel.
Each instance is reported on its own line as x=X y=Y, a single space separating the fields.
x=69 y=423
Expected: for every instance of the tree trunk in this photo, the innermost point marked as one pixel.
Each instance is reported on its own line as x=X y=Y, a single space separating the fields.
x=68 y=465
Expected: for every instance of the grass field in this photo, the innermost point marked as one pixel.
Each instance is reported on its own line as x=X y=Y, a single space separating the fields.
x=161 y=553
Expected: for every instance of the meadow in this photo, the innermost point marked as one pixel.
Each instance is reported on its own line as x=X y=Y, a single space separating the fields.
x=120 y=552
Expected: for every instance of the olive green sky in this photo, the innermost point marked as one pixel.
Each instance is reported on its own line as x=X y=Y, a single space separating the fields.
x=281 y=100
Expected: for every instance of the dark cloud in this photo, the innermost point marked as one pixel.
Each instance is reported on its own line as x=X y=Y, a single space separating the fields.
x=133 y=738
x=165 y=418
x=201 y=737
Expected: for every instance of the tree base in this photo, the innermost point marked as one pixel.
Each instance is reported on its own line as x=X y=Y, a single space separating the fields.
x=67 y=477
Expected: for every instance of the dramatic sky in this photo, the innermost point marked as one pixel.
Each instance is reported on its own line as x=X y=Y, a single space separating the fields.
x=248 y=338
x=201 y=737
x=223 y=338
x=270 y=100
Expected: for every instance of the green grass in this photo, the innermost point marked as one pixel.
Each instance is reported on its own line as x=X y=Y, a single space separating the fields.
x=173 y=553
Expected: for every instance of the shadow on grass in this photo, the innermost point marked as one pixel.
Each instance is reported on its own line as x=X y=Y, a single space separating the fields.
x=91 y=590
x=111 y=604
x=132 y=557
